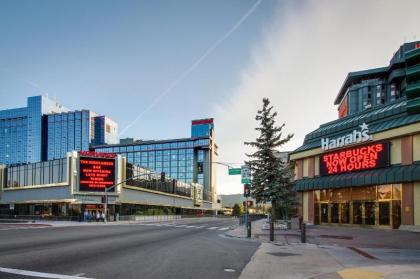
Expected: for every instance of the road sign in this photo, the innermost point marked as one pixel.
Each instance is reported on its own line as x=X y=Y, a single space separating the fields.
x=245 y=174
x=233 y=171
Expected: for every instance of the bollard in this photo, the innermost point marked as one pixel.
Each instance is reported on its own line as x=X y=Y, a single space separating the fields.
x=303 y=233
x=248 y=228
x=271 y=230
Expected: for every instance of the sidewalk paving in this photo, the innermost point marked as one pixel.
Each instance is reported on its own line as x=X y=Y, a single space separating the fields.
x=333 y=253
x=46 y=223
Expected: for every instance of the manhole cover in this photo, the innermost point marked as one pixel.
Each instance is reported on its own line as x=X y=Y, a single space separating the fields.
x=229 y=270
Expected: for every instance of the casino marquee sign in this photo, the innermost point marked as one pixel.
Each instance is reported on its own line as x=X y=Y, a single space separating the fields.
x=97 y=171
x=365 y=157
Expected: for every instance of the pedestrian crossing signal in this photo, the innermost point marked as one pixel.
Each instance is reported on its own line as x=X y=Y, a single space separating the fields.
x=248 y=203
x=247 y=190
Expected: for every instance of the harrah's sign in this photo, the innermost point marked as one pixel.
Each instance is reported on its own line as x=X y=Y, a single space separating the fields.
x=352 y=138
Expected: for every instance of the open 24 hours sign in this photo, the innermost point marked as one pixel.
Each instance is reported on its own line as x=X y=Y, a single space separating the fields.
x=365 y=157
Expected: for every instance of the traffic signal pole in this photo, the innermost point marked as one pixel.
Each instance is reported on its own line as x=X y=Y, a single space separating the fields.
x=106 y=190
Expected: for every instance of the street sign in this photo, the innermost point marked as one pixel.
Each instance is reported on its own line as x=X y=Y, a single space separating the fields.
x=245 y=174
x=233 y=171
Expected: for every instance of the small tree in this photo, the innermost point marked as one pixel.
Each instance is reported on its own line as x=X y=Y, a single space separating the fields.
x=236 y=210
x=270 y=175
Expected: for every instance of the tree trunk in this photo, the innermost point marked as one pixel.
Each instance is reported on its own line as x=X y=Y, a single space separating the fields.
x=273 y=210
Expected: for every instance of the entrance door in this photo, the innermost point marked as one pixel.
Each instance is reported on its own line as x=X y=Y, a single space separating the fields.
x=369 y=213
x=357 y=212
x=316 y=214
x=345 y=213
x=396 y=214
x=384 y=213
x=324 y=212
x=335 y=212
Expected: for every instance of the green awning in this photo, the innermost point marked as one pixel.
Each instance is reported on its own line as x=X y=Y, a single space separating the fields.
x=393 y=174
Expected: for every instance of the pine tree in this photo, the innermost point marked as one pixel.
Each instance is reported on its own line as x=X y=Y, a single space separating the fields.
x=270 y=176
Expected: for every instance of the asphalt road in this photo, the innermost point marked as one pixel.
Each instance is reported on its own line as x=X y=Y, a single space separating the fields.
x=183 y=249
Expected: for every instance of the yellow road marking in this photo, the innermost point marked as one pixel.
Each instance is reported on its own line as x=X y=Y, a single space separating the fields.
x=356 y=273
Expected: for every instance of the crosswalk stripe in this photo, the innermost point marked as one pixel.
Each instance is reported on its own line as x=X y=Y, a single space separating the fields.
x=212 y=228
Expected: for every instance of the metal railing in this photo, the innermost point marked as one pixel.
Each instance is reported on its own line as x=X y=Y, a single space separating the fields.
x=38 y=218
x=253 y=217
x=149 y=218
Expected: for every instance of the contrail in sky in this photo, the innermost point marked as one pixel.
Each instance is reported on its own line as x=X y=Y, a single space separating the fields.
x=27 y=81
x=188 y=71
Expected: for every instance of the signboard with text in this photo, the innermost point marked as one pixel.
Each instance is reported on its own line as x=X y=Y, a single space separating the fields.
x=245 y=174
x=365 y=157
x=96 y=174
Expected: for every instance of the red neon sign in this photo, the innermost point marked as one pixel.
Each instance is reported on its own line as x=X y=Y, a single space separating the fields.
x=96 y=174
x=365 y=157
x=202 y=121
x=97 y=154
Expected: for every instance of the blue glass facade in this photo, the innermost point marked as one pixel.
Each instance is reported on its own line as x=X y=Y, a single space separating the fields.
x=105 y=131
x=177 y=159
x=45 y=130
x=186 y=160
x=67 y=131
x=21 y=130
x=202 y=128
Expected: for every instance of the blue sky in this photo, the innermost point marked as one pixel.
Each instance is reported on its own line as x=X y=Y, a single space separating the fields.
x=116 y=57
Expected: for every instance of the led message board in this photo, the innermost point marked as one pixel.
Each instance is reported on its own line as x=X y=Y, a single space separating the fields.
x=371 y=156
x=96 y=174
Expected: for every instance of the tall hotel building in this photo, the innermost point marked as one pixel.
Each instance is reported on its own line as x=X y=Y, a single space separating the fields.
x=46 y=130
x=187 y=160
x=363 y=169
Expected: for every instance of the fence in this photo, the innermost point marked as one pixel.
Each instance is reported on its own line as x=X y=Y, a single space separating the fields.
x=152 y=218
x=38 y=218
x=251 y=218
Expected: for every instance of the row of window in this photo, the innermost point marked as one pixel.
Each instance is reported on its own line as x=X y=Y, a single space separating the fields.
x=159 y=146
x=41 y=173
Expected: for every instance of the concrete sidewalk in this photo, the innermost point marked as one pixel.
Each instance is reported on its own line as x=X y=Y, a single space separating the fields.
x=288 y=258
x=45 y=223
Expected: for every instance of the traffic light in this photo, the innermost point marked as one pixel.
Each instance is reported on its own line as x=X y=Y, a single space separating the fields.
x=247 y=190
x=248 y=203
x=162 y=176
x=104 y=199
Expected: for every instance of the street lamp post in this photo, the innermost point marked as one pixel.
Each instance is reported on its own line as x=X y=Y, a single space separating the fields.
x=106 y=190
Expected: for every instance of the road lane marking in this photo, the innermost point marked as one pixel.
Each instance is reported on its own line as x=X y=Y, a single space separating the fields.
x=212 y=228
x=38 y=274
x=223 y=229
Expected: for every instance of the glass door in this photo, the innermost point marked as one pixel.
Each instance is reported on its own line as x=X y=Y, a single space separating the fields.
x=335 y=213
x=369 y=213
x=316 y=213
x=357 y=212
x=384 y=213
x=344 y=213
x=324 y=212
